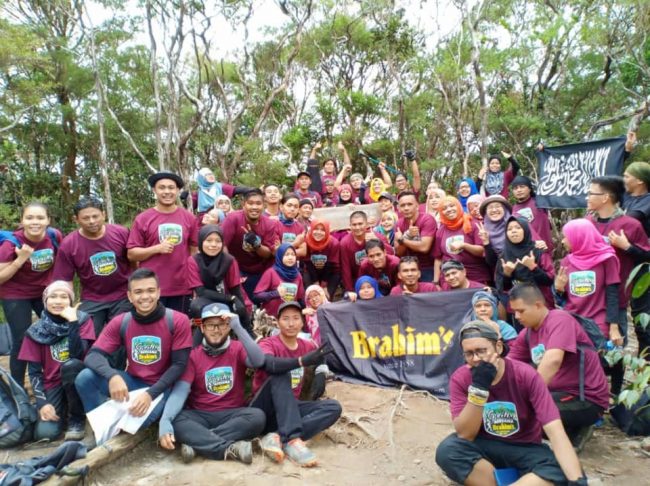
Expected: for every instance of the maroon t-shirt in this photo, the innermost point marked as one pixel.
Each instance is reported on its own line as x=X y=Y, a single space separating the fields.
x=288 y=233
x=476 y=267
x=472 y=285
x=560 y=330
x=36 y=273
x=230 y=280
x=216 y=382
x=635 y=235
x=352 y=255
x=313 y=196
x=386 y=277
x=275 y=347
x=585 y=290
x=148 y=346
x=518 y=406
x=101 y=264
x=270 y=281
x=152 y=227
x=233 y=238
x=537 y=219
x=427 y=226
x=423 y=287
x=52 y=356
x=328 y=258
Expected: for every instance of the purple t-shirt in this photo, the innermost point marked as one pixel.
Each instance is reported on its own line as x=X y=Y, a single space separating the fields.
x=537 y=219
x=233 y=238
x=275 y=347
x=313 y=196
x=52 y=356
x=270 y=281
x=148 y=346
x=36 y=273
x=518 y=406
x=216 y=382
x=472 y=285
x=352 y=255
x=328 y=258
x=560 y=330
x=288 y=233
x=152 y=227
x=386 y=277
x=475 y=267
x=585 y=290
x=427 y=226
x=423 y=287
x=101 y=264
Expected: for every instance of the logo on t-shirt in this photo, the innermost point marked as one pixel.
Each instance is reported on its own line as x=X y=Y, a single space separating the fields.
x=42 y=260
x=359 y=256
x=384 y=283
x=537 y=353
x=171 y=232
x=451 y=240
x=146 y=350
x=290 y=291
x=104 y=263
x=288 y=237
x=319 y=261
x=296 y=377
x=60 y=351
x=582 y=284
x=500 y=419
x=219 y=381
x=526 y=213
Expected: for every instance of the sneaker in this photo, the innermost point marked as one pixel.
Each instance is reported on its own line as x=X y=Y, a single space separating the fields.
x=76 y=430
x=580 y=438
x=272 y=447
x=297 y=451
x=241 y=451
x=187 y=453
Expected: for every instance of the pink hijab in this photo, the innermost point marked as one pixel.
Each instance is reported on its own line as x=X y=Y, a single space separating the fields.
x=311 y=322
x=588 y=247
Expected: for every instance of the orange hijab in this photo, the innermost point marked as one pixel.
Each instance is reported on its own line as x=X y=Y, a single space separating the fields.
x=462 y=219
x=318 y=245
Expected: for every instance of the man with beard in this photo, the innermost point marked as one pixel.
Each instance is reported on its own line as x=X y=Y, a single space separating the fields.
x=408 y=273
x=380 y=266
x=415 y=233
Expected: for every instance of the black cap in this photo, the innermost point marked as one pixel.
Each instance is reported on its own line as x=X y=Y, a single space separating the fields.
x=522 y=180
x=302 y=173
x=302 y=202
x=386 y=195
x=286 y=305
x=165 y=175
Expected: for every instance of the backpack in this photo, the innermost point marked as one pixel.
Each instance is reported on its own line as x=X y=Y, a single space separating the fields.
x=635 y=420
x=8 y=235
x=126 y=319
x=598 y=344
x=17 y=414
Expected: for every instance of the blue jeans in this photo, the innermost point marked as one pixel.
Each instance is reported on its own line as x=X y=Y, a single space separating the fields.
x=93 y=391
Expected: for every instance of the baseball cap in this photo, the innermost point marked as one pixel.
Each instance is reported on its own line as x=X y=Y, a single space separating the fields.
x=474 y=329
x=216 y=310
x=286 y=305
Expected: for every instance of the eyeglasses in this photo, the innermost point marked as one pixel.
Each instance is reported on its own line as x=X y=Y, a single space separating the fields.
x=595 y=194
x=218 y=325
x=480 y=353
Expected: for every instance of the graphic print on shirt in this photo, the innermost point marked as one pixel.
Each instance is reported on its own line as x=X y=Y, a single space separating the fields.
x=537 y=353
x=103 y=263
x=288 y=237
x=451 y=240
x=219 y=381
x=583 y=283
x=60 y=351
x=526 y=213
x=290 y=291
x=296 y=377
x=171 y=232
x=42 y=260
x=146 y=350
x=318 y=260
x=359 y=256
x=500 y=419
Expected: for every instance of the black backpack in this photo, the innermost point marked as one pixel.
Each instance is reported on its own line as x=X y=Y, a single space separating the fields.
x=636 y=420
x=17 y=414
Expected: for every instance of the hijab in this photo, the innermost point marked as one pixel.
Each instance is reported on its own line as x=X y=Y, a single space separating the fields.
x=475 y=198
x=208 y=192
x=223 y=197
x=462 y=220
x=312 y=244
x=288 y=274
x=516 y=251
x=472 y=190
x=506 y=330
x=496 y=229
x=212 y=269
x=588 y=248
x=311 y=321
x=366 y=279
x=494 y=180
x=375 y=195
x=389 y=235
x=346 y=187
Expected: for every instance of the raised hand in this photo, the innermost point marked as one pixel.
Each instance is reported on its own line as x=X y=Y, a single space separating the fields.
x=508 y=267
x=482 y=172
x=541 y=245
x=483 y=235
x=318 y=145
x=561 y=279
x=506 y=154
x=529 y=261
x=340 y=146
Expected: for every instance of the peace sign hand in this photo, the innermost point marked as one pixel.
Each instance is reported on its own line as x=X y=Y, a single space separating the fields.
x=561 y=279
x=483 y=234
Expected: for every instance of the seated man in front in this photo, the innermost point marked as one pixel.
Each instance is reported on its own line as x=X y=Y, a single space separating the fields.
x=157 y=342
x=499 y=408
x=555 y=343
x=455 y=277
x=276 y=391
x=408 y=274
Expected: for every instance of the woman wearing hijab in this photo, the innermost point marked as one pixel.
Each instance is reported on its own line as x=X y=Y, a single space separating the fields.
x=214 y=274
x=366 y=288
x=280 y=283
x=457 y=239
x=485 y=308
x=322 y=263
x=465 y=188
x=210 y=190
x=224 y=204
x=473 y=207
x=495 y=211
x=521 y=262
x=377 y=187
x=386 y=226
x=314 y=297
x=493 y=180
x=433 y=203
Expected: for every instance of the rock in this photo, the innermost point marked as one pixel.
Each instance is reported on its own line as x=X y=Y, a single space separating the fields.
x=645 y=444
x=417 y=461
x=401 y=479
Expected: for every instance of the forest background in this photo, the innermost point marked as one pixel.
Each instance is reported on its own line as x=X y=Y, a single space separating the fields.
x=96 y=95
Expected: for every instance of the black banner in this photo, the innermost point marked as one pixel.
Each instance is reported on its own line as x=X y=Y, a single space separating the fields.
x=565 y=172
x=398 y=340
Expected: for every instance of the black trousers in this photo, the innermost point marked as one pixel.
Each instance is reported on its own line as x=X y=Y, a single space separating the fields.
x=210 y=433
x=290 y=417
x=18 y=313
x=576 y=413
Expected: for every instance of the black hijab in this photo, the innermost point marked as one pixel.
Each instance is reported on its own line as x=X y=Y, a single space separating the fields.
x=512 y=251
x=213 y=269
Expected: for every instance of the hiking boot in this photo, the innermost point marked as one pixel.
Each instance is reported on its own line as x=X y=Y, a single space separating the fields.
x=272 y=447
x=187 y=453
x=76 y=430
x=297 y=451
x=580 y=438
x=241 y=451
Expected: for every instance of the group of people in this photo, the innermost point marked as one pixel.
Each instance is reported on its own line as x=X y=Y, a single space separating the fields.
x=141 y=289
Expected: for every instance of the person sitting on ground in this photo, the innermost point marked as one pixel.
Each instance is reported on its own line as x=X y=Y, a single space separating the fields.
x=524 y=193
x=499 y=408
x=454 y=277
x=556 y=344
x=281 y=282
x=380 y=266
x=54 y=347
x=493 y=180
x=206 y=411
x=408 y=274
x=365 y=288
x=277 y=388
x=486 y=309
x=157 y=342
